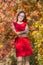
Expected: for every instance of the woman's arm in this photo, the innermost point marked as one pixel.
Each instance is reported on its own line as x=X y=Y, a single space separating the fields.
x=13 y=28
x=25 y=31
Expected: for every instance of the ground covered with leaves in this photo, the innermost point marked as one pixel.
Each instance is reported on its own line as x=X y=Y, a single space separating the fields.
x=34 y=13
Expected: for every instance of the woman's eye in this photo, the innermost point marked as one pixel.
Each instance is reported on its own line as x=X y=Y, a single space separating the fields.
x=21 y=15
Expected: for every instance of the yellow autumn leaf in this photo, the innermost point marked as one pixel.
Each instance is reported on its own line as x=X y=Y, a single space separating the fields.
x=41 y=19
x=34 y=32
x=39 y=44
x=1 y=46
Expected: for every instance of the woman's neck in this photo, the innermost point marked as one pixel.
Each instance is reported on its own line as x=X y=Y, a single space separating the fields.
x=19 y=22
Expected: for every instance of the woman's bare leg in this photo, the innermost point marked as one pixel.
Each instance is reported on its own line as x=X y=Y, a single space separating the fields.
x=19 y=60
x=27 y=60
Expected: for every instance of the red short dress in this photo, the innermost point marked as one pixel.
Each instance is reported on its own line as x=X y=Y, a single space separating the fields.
x=22 y=44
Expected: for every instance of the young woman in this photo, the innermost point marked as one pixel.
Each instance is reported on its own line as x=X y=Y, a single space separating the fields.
x=22 y=43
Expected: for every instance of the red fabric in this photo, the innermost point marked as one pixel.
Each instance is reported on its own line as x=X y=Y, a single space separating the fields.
x=22 y=44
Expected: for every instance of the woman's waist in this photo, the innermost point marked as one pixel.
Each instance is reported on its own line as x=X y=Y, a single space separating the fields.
x=21 y=38
x=23 y=35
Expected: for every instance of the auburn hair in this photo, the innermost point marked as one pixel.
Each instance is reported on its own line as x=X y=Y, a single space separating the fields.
x=25 y=19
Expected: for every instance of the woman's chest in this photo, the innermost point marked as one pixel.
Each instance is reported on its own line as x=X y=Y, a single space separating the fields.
x=20 y=27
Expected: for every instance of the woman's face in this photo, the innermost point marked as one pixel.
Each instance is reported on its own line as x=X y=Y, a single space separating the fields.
x=21 y=17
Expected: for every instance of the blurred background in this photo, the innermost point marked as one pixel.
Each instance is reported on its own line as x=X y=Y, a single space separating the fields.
x=8 y=12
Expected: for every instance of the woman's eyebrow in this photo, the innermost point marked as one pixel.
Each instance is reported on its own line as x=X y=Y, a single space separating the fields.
x=21 y=15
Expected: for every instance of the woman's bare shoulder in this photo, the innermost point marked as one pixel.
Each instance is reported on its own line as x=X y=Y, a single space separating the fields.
x=13 y=22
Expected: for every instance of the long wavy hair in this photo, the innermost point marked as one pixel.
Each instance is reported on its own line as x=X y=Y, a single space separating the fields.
x=25 y=19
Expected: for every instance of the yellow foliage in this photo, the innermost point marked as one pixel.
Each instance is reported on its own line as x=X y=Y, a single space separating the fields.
x=1 y=46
